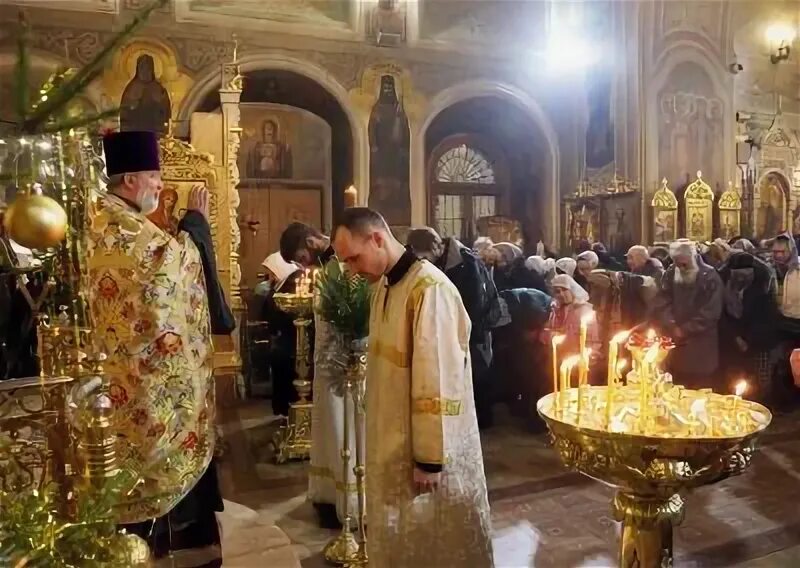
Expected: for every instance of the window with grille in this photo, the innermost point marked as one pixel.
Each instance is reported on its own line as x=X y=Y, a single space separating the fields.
x=464 y=187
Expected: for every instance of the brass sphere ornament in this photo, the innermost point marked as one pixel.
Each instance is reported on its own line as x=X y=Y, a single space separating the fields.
x=36 y=221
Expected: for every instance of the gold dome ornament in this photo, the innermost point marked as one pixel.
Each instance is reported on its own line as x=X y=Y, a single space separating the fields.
x=36 y=221
x=135 y=550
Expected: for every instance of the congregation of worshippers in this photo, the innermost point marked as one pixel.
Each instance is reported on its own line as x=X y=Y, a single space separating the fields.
x=731 y=307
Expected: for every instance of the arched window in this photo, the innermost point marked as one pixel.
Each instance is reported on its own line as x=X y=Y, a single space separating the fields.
x=465 y=184
x=462 y=164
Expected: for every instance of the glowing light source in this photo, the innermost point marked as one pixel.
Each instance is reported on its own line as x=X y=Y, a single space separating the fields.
x=44 y=145
x=780 y=32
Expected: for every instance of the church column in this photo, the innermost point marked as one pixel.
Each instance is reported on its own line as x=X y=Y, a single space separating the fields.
x=229 y=96
x=416 y=177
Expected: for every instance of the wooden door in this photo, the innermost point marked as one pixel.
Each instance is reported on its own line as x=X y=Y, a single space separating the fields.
x=274 y=209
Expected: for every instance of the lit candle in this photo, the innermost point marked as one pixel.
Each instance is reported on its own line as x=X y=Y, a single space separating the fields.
x=583 y=370
x=350 y=196
x=566 y=376
x=740 y=389
x=555 y=342
x=644 y=385
x=611 y=390
x=613 y=351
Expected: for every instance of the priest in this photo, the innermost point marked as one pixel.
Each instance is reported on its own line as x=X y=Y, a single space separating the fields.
x=426 y=488
x=155 y=302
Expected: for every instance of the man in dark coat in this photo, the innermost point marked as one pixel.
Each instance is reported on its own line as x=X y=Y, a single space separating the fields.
x=479 y=295
x=688 y=309
x=640 y=262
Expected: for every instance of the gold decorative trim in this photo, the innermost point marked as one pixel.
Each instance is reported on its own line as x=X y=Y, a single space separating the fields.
x=730 y=199
x=326 y=473
x=437 y=406
x=664 y=198
x=390 y=353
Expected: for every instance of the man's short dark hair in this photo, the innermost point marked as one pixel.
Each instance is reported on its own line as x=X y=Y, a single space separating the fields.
x=423 y=239
x=361 y=221
x=295 y=238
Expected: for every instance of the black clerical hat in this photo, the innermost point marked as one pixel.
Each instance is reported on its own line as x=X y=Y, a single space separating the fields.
x=131 y=152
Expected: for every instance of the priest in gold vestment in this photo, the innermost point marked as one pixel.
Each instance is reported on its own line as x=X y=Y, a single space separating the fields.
x=155 y=301
x=426 y=489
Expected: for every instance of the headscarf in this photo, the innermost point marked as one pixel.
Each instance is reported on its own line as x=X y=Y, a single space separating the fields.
x=745 y=245
x=279 y=267
x=566 y=281
x=539 y=265
x=591 y=257
x=508 y=251
x=566 y=265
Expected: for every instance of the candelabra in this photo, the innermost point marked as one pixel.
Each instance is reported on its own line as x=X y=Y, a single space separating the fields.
x=651 y=440
x=359 y=407
x=345 y=549
x=293 y=439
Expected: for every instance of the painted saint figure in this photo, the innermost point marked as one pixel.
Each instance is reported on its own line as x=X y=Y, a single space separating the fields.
x=164 y=216
x=270 y=158
x=389 y=156
x=145 y=102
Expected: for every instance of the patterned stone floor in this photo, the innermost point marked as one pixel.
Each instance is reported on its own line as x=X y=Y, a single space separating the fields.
x=544 y=516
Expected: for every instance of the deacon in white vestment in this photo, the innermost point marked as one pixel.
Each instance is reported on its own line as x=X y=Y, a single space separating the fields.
x=426 y=488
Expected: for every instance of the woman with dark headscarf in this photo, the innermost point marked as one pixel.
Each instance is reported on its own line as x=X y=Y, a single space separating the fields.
x=748 y=318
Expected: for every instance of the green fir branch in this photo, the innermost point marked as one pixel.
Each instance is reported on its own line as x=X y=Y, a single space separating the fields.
x=344 y=300
x=60 y=96
x=79 y=121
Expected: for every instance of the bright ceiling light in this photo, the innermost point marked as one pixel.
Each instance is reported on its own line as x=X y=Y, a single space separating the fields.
x=569 y=52
x=781 y=32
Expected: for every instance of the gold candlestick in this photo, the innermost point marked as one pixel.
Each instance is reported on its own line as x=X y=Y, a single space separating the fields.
x=293 y=439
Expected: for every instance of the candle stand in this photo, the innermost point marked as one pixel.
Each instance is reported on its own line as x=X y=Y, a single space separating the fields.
x=682 y=439
x=348 y=549
x=292 y=441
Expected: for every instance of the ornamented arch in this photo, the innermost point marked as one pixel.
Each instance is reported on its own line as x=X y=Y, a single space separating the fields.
x=520 y=99
x=211 y=81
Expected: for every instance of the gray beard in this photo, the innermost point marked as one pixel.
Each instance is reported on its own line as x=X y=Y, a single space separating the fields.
x=686 y=277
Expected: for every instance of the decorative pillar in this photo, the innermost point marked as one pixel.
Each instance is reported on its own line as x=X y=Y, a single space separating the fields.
x=229 y=95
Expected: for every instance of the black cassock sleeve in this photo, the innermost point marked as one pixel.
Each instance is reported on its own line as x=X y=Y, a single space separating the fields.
x=222 y=320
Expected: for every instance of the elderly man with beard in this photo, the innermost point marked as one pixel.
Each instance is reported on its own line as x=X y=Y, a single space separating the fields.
x=688 y=309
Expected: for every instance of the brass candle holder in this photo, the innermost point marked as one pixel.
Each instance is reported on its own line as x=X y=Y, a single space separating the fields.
x=345 y=549
x=292 y=441
x=651 y=454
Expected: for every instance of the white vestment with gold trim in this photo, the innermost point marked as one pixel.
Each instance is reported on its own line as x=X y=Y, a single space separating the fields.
x=420 y=409
x=326 y=481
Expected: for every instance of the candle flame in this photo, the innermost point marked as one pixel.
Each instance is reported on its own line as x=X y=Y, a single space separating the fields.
x=651 y=333
x=587 y=318
x=621 y=336
x=741 y=388
x=568 y=363
x=621 y=364
x=558 y=340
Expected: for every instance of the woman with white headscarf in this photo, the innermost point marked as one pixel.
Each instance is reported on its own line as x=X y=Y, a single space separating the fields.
x=570 y=306
x=566 y=266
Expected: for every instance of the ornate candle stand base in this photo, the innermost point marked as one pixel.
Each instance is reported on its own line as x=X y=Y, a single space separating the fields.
x=650 y=471
x=293 y=440
x=343 y=549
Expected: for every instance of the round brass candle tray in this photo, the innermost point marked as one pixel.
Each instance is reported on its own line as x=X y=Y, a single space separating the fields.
x=684 y=439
